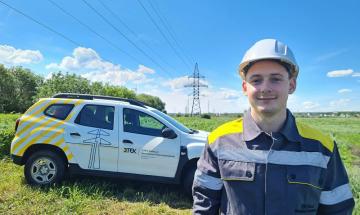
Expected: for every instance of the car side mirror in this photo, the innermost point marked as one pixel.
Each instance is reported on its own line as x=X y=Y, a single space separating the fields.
x=168 y=133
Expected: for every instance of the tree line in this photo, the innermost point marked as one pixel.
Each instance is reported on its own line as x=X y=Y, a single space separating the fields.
x=20 y=88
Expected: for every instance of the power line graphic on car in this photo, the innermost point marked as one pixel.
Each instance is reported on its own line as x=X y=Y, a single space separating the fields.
x=94 y=160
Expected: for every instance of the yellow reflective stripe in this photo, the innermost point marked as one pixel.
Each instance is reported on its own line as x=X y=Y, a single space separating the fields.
x=26 y=137
x=59 y=142
x=75 y=104
x=69 y=156
x=66 y=148
x=52 y=137
x=43 y=126
x=34 y=115
x=312 y=133
x=22 y=139
x=69 y=117
x=52 y=128
x=28 y=115
x=303 y=183
x=235 y=126
x=42 y=134
x=22 y=130
x=37 y=104
x=43 y=107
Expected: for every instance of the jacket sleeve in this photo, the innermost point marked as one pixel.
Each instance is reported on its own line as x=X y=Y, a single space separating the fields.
x=207 y=184
x=336 y=197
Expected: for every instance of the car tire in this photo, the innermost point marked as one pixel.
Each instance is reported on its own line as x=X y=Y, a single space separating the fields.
x=44 y=168
x=189 y=179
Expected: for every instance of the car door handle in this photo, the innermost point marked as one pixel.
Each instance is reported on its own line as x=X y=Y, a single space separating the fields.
x=127 y=141
x=75 y=134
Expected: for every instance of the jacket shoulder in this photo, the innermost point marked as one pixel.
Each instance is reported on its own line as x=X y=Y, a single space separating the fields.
x=315 y=134
x=235 y=126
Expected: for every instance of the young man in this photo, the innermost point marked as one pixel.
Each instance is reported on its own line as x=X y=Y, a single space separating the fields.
x=267 y=162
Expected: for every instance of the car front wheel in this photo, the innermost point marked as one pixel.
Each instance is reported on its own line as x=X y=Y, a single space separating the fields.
x=44 y=168
x=188 y=180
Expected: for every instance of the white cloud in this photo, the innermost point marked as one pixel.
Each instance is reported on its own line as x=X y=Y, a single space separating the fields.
x=83 y=59
x=89 y=63
x=310 y=105
x=49 y=76
x=356 y=74
x=330 y=55
x=344 y=91
x=293 y=103
x=340 y=103
x=180 y=82
x=117 y=77
x=227 y=94
x=339 y=73
x=215 y=100
x=144 y=69
x=12 y=56
x=52 y=66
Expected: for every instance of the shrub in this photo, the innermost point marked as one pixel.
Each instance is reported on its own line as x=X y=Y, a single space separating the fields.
x=206 y=116
x=6 y=137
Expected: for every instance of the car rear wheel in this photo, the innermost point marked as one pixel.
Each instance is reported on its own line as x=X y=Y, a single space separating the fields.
x=44 y=168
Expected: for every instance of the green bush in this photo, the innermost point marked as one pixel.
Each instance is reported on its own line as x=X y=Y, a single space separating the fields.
x=6 y=137
x=206 y=116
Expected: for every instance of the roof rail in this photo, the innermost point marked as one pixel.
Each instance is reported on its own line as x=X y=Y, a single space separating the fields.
x=92 y=97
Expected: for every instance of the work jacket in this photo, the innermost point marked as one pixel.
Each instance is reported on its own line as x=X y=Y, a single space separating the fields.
x=244 y=170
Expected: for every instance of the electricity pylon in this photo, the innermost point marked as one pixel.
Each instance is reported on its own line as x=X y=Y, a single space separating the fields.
x=196 y=77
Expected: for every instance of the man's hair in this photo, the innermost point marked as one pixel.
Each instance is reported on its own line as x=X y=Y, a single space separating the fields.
x=282 y=63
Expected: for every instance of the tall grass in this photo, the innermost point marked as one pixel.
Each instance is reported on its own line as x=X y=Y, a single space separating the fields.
x=90 y=195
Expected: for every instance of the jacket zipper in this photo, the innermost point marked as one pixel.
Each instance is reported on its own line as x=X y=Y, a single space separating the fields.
x=266 y=167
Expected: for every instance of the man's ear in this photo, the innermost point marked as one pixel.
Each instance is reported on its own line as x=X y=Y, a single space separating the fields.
x=244 y=87
x=292 y=87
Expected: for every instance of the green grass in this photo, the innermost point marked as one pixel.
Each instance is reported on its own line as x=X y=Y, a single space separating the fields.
x=7 y=121
x=87 y=196
x=346 y=132
x=203 y=124
x=109 y=196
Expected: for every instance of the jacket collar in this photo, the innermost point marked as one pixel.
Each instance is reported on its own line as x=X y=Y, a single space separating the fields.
x=289 y=129
x=251 y=130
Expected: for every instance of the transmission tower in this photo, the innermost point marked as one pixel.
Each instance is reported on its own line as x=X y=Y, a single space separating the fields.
x=196 y=109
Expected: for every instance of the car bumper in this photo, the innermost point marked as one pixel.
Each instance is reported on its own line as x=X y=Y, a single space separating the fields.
x=16 y=159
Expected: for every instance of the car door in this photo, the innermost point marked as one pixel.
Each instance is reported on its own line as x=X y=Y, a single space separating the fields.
x=93 y=138
x=143 y=148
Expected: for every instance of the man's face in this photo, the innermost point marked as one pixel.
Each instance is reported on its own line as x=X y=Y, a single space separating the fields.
x=267 y=86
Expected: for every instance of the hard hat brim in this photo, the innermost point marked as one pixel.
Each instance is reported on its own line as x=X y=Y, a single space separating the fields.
x=244 y=66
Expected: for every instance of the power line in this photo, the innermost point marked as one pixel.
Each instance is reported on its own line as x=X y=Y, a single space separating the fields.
x=133 y=33
x=41 y=24
x=122 y=34
x=93 y=31
x=162 y=33
x=117 y=17
x=168 y=28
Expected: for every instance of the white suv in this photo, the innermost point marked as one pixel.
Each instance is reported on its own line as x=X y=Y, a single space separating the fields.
x=107 y=136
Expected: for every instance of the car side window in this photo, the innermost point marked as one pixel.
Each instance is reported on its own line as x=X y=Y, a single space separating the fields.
x=97 y=116
x=141 y=123
x=58 y=111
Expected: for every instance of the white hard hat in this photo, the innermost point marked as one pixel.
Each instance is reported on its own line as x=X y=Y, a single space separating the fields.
x=269 y=49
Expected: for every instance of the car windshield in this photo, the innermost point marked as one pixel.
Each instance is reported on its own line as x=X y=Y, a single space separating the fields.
x=173 y=121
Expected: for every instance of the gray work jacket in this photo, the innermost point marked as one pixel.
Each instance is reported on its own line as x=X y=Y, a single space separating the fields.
x=244 y=170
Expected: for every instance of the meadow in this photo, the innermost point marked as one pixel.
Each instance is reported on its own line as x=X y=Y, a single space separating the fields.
x=93 y=195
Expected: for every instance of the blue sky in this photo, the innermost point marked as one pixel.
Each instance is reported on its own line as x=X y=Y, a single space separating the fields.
x=324 y=35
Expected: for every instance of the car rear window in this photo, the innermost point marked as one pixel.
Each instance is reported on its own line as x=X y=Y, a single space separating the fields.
x=58 y=111
x=97 y=116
